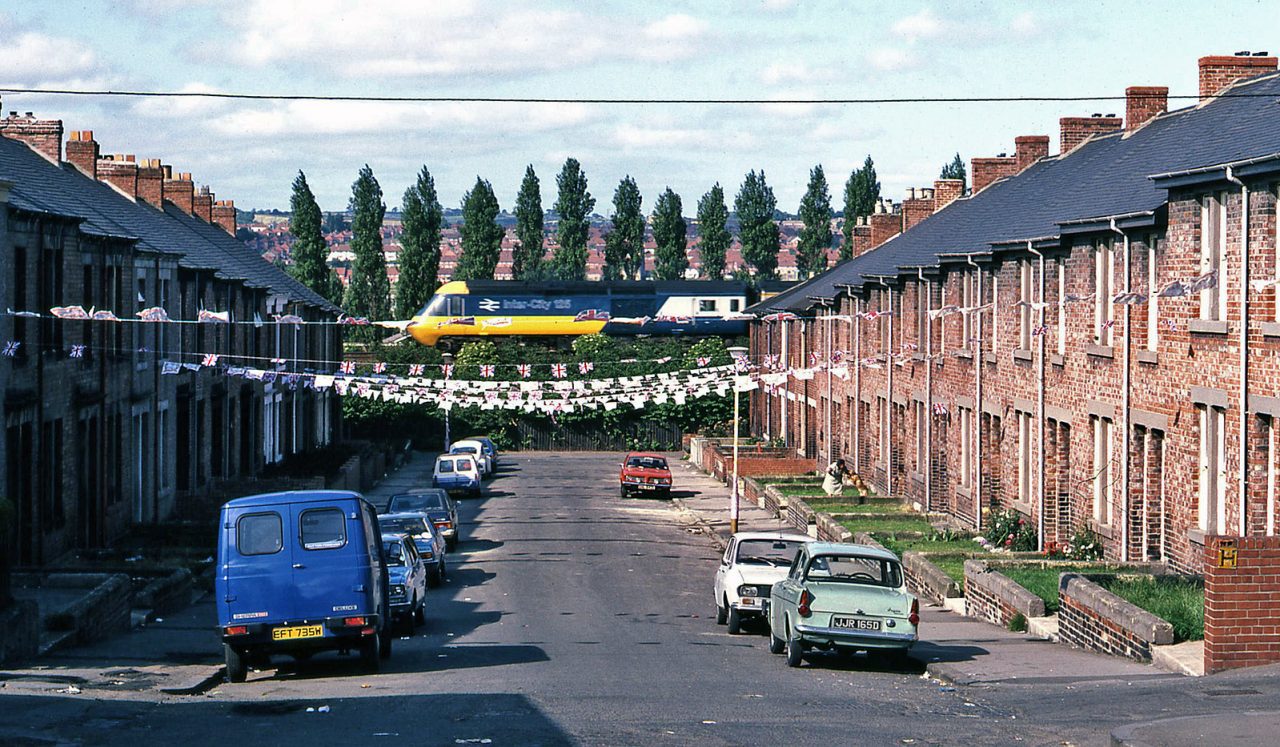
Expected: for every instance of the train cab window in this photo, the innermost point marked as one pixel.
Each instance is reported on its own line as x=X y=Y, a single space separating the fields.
x=454 y=306
x=707 y=305
x=735 y=304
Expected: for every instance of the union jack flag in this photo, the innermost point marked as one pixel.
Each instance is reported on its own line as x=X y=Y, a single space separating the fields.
x=524 y=370
x=1043 y=329
x=586 y=367
x=771 y=360
x=355 y=321
x=837 y=356
x=153 y=314
x=380 y=367
x=77 y=351
x=447 y=369
x=288 y=319
x=591 y=315
x=1169 y=323
x=559 y=370
x=210 y=360
x=69 y=312
x=278 y=361
x=347 y=367
x=939 y=408
x=1109 y=324
x=783 y=316
x=703 y=360
x=205 y=315
x=814 y=358
x=486 y=370
x=11 y=348
x=416 y=369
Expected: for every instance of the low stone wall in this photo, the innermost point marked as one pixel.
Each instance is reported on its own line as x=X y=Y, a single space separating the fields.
x=20 y=622
x=830 y=530
x=752 y=490
x=927 y=580
x=166 y=594
x=774 y=502
x=863 y=538
x=101 y=611
x=1092 y=618
x=801 y=516
x=994 y=597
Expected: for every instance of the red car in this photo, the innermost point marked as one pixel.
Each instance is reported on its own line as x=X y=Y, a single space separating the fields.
x=645 y=473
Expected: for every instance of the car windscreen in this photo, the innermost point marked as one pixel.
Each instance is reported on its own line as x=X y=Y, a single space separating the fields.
x=772 y=552
x=406 y=525
x=647 y=462
x=394 y=552
x=415 y=502
x=855 y=569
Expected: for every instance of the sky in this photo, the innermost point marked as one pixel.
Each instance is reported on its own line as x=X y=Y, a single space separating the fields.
x=250 y=151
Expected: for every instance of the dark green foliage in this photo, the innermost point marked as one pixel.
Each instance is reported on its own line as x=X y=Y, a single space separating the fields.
x=527 y=261
x=1008 y=529
x=335 y=222
x=671 y=255
x=421 y=217
x=758 y=233
x=815 y=237
x=574 y=205
x=624 y=246
x=480 y=232
x=956 y=170
x=861 y=192
x=713 y=233
x=1178 y=601
x=310 y=253
x=369 y=293
x=1018 y=622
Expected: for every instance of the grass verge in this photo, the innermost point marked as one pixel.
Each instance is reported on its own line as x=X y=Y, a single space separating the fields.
x=1177 y=600
x=1043 y=580
x=887 y=524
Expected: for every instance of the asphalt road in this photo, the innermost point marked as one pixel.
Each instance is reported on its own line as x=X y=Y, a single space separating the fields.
x=574 y=616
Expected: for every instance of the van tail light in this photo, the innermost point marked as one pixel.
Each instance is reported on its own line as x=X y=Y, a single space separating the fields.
x=804 y=608
x=238 y=630
x=914 y=617
x=355 y=622
x=368 y=631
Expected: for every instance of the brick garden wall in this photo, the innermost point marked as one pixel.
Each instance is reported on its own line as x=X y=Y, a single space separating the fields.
x=992 y=596
x=1092 y=618
x=1242 y=604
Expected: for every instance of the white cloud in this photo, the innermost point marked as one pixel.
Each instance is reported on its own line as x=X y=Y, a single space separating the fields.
x=32 y=58
x=1026 y=25
x=891 y=59
x=646 y=137
x=922 y=25
x=777 y=4
x=795 y=72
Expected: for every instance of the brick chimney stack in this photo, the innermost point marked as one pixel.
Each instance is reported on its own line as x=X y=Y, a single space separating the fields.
x=1029 y=149
x=43 y=135
x=224 y=215
x=946 y=191
x=917 y=207
x=1219 y=71
x=121 y=172
x=886 y=222
x=202 y=205
x=1076 y=130
x=180 y=191
x=151 y=182
x=1144 y=103
x=82 y=152
x=984 y=171
x=861 y=236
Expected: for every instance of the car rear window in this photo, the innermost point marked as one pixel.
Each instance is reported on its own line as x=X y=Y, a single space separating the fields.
x=395 y=553
x=856 y=570
x=444 y=465
x=415 y=502
x=259 y=534
x=407 y=525
x=323 y=529
x=464 y=465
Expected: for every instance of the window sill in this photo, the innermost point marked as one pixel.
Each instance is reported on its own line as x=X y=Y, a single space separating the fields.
x=917 y=478
x=1270 y=329
x=1099 y=351
x=1196 y=536
x=1148 y=356
x=964 y=353
x=989 y=357
x=964 y=492
x=1103 y=530
x=1022 y=354
x=1207 y=326
x=1057 y=360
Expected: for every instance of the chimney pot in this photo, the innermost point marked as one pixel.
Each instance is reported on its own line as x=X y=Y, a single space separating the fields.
x=31 y=114
x=82 y=153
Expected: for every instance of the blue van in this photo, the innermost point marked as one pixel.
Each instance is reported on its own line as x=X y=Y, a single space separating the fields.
x=301 y=572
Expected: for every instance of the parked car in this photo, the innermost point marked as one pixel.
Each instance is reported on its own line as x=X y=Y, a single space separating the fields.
x=645 y=473
x=843 y=597
x=475 y=449
x=408 y=580
x=431 y=546
x=490 y=448
x=457 y=472
x=300 y=572
x=752 y=563
x=437 y=505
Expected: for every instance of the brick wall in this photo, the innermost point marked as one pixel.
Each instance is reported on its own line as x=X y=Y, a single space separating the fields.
x=990 y=595
x=1241 y=615
x=1092 y=618
x=1075 y=130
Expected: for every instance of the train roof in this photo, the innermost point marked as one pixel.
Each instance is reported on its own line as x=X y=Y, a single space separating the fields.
x=601 y=287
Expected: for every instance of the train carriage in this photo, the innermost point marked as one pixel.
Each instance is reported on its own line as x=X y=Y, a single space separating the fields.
x=467 y=309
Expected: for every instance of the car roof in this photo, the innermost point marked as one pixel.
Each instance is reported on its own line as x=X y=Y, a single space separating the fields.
x=403 y=515
x=397 y=536
x=849 y=548
x=480 y=438
x=780 y=535
x=453 y=455
x=291 y=497
x=465 y=442
x=646 y=454
x=420 y=491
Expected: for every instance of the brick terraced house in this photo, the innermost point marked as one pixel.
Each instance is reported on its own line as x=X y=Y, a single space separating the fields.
x=1092 y=337
x=96 y=438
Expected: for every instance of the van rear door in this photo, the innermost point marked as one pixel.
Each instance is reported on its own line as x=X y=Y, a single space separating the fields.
x=258 y=565
x=330 y=560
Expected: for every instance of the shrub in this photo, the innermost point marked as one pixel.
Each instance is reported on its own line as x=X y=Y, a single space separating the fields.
x=1018 y=623
x=1010 y=530
x=1085 y=544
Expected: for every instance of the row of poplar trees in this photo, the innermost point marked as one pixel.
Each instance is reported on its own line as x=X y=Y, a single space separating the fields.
x=368 y=292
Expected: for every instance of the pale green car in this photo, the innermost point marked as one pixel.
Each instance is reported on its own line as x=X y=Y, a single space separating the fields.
x=843 y=597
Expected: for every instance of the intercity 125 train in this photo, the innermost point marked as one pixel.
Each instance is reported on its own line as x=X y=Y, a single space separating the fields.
x=469 y=309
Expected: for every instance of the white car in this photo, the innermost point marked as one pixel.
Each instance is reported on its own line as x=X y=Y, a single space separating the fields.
x=752 y=563
x=475 y=449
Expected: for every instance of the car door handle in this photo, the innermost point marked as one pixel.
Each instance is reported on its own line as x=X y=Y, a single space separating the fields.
x=299 y=565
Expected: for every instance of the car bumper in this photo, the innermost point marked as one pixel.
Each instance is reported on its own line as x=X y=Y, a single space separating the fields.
x=448 y=533
x=748 y=606
x=823 y=636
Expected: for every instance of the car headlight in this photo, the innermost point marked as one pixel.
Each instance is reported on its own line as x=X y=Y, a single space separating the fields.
x=664 y=480
x=746 y=590
x=630 y=478
x=397 y=590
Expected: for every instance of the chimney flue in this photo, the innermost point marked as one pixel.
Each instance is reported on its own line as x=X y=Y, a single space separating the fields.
x=1076 y=130
x=1219 y=71
x=1029 y=149
x=1144 y=103
x=82 y=152
x=42 y=135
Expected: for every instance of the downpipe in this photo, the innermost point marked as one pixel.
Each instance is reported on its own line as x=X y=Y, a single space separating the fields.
x=926 y=286
x=1041 y=461
x=1126 y=372
x=977 y=400
x=1243 y=524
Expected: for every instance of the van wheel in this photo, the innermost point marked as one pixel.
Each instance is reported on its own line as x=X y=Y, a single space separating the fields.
x=369 y=649
x=735 y=621
x=237 y=669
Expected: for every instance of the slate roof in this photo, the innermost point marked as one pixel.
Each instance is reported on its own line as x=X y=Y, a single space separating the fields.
x=1106 y=176
x=60 y=189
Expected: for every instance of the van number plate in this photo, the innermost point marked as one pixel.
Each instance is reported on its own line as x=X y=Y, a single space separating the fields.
x=301 y=631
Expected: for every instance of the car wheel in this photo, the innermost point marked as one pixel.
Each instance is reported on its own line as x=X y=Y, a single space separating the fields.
x=664 y=494
x=722 y=614
x=370 y=646
x=795 y=651
x=622 y=491
x=384 y=646
x=451 y=544
x=237 y=669
x=433 y=578
x=776 y=644
x=735 y=621
x=420 y=614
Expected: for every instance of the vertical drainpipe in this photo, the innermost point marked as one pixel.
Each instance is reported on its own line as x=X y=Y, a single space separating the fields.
x=1040 y=420
x=785 y=359
x=768 y=409
x=857 y=385
x=827 y=332
x=1243 y=525
x=977 y=401
x=888 y=402
x=1124 y=405
x=928 y=392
